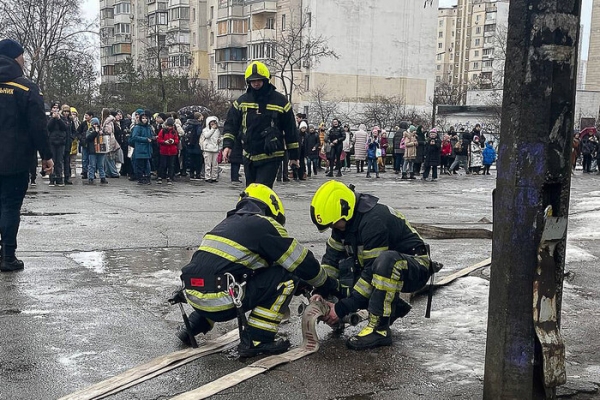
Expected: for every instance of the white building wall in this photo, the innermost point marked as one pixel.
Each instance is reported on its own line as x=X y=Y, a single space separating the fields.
x=385 y=47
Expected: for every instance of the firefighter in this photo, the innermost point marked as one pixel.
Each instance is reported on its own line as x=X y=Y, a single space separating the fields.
x=375 y=253
x=264 y=120
x=251 y=250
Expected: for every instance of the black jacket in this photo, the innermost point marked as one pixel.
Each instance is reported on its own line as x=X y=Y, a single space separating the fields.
x=23 y=128
x=433 y=152
x=373 y=228
x=193 y=130
x=251 y=116
x=311 y=142
x=246 y=242
x=338 y=134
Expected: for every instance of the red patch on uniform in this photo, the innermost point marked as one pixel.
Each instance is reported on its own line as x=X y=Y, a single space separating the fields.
x=197 y=282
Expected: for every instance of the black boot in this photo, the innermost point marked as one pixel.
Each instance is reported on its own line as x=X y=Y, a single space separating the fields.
x=250 y=348
x=339 y=173
x=377 y=333
x=9 y=264
x=399 y=309
x=404 y=176
x=198 y=324
x=412 y=176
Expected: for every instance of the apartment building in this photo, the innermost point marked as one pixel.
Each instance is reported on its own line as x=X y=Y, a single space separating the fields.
x=471 y=44
x=592 y=78
x=383 y=48
x=151 y=32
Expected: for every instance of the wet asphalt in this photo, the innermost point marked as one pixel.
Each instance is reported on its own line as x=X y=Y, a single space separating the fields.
x=100 y=262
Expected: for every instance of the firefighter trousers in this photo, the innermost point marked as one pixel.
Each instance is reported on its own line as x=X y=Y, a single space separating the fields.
x=393 y=273
x=267 y=295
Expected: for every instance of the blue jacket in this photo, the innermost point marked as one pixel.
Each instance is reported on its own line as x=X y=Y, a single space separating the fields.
x=372 y=147
x=489 y=154
x=139 y=140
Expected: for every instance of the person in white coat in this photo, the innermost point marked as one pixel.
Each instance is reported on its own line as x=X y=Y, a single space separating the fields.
x=210 y=143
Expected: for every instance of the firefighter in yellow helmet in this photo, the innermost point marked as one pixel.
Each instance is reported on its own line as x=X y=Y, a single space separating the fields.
x=375 y=254
x=251 y=248
x=263 y=120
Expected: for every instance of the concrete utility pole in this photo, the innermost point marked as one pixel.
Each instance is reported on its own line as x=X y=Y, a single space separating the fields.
x=525 y=351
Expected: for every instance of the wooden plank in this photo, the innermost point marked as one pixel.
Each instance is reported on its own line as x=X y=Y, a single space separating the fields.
x=463 y=272
x=438 y=232
x=153 y=368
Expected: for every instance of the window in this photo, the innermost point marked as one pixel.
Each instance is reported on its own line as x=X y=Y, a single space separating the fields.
x=123 y=8
x=441 y=23
x=486 y=76
x=212 y=12
x=440 y=45
x=475 y=76
x=438 y=78
x=258 y=51
x=475 y=65
x=488 y=52
x=283 y=22
x=108 y=13
x=179 y=13
x=487 y=63
x=162 y=40
x=231 y=82
x=490 y=28
x=193 y=15
x=439 y=67
x=309 y=19
x=122 y=28
x=270 y=23
x=212 y=38
x=222 y=28
x=476 y=53
x=306 y=82
x=439 y=57
x=108 y=70
x=162 y=6
x=212 y=62
x=489 y=39
x=477 y=42
x=157 y=19
x=194 y=39
x=452 y=33
x=231 y=54
x=477 y=18
x=181 y=60
x=440 y=35
x=238 y=26
x=122 y=48
x=478 y=30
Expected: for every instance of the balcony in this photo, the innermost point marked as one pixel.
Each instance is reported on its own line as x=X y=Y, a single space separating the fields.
x=231 y=67
x=236 y=40
x=260 y=7
x=122 y=38
x=262 y=35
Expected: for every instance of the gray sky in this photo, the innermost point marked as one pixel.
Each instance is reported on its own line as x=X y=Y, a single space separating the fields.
x=91 y=8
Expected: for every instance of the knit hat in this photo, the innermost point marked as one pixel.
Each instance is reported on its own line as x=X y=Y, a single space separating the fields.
x=74 y=110
x=95 y=121
x=10 y=48
x=139 y=111
x=163 y=116
x=412 y=128
x=303 y=124
x=169 y=122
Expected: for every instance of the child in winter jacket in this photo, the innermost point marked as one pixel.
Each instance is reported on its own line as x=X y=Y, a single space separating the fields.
x=210 y=143
x=489 y=157
x=372 y=146
x=168 y=142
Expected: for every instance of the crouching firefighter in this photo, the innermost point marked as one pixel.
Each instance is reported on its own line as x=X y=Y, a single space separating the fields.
x=375 y=253
x=248 y=262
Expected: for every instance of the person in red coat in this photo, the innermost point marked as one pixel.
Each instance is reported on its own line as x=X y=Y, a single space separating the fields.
x=168 y=139
x=446 y=154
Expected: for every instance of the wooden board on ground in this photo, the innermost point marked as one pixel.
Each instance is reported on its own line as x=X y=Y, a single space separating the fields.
x=153 y=368
x=438 y=232
x=445 y=280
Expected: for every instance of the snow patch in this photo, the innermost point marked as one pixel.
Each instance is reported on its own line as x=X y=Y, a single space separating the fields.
x=575 y=254
x=94 y=260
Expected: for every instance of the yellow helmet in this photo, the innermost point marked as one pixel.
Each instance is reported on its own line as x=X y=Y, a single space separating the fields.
x=267 y=196
x=257 y=71
x=332 y=202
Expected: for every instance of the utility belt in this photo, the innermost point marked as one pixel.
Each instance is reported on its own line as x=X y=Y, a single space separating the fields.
x=211 y=284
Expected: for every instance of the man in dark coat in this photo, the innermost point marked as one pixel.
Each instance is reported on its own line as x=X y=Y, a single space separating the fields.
x=22 y=134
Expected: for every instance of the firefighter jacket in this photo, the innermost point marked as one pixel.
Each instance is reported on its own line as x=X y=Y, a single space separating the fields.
x=23 y=128
x=262 y=120
x=243 y=244
x=373 y=229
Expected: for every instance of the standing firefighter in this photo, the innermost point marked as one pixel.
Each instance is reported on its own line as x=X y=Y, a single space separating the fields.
x=250 y=251
x=375 y=253
x=264 y=120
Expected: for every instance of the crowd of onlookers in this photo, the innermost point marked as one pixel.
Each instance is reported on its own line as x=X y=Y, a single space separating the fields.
x=586 y=150
x=165 y=147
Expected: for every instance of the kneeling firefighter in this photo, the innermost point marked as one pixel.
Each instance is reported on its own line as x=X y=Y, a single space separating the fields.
x=375 y=253
x=249 y=263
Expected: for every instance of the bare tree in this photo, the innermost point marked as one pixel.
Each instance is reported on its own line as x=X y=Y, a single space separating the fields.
x=384 y=111
x=500 y=41
x=324 y=109
x=49 y=30
x=297 y=47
